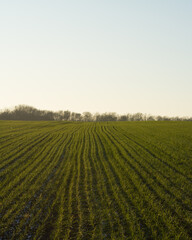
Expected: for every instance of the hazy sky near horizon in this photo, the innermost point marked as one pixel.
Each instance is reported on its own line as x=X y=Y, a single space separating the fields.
x=100 y=56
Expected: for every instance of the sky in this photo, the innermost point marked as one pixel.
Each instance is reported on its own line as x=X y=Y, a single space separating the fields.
x=120 y=56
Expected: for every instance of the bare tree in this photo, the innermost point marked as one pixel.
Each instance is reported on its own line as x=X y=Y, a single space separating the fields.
x=87 y=117
x=123 y=118
x=23 y=112
x=66 y=115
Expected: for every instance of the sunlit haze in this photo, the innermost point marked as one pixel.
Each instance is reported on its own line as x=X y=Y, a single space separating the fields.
x=98 y=56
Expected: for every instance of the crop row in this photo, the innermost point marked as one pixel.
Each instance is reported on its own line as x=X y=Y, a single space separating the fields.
x=95 y=180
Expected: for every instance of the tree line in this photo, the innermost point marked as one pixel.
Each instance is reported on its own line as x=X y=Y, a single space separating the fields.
x=28 y=113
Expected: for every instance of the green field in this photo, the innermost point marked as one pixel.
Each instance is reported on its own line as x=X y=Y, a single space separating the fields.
x=112 y=180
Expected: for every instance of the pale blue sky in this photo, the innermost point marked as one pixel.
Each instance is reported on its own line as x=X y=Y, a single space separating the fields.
x=98 y=56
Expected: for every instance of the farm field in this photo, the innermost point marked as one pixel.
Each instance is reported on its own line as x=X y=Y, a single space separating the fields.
x=109 y=180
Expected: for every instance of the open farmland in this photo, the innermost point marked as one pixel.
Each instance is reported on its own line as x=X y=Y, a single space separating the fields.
x=112 y=180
